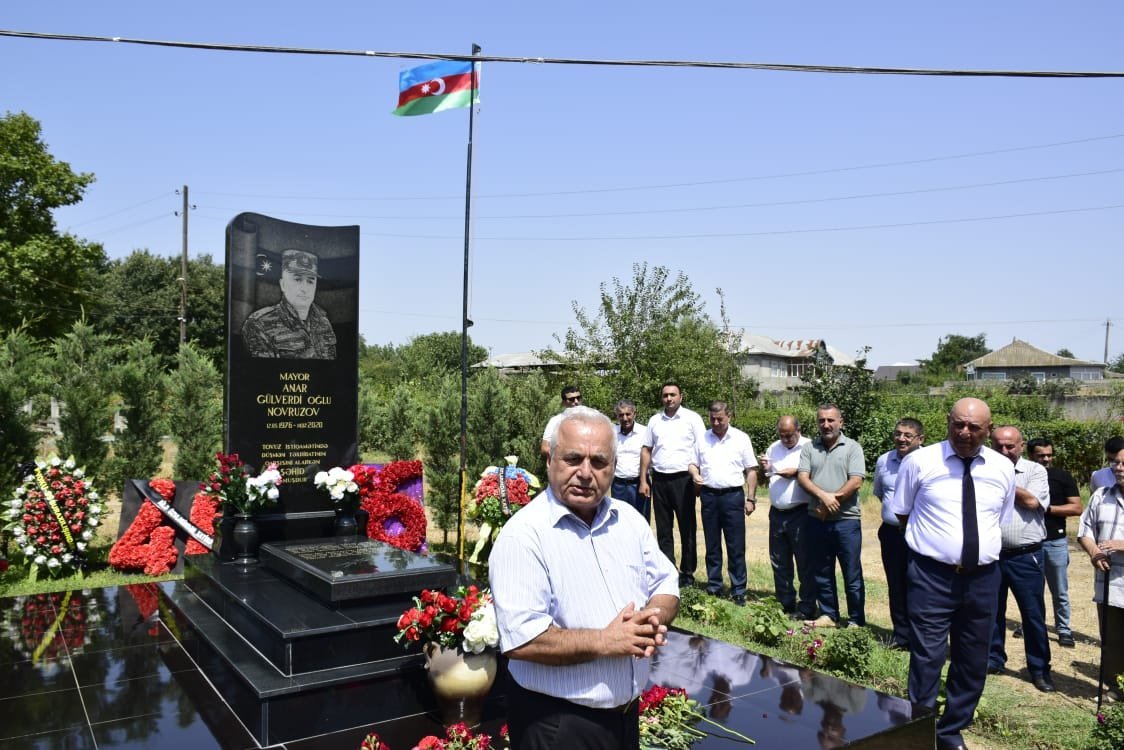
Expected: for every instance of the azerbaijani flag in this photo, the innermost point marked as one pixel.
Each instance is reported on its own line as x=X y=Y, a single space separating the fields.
x=445 y=84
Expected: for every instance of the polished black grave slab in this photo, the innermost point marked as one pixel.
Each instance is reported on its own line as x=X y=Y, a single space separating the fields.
x=293 y=630
x=123 y=668
x=340 y=570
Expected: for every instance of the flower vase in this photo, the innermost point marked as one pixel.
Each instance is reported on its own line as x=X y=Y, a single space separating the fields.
x=345 y=523
x=245 y=538
x=460 y=681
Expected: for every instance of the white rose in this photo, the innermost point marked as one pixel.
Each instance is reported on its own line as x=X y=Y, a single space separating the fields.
x=273 y=493
x=87 y=535
x=52 y=563
x=94 y=522
x=320 y=479
x=79 y=473
x=29 y=550
x=67 y=557
x=482 y=631
x=40 y=559
x=81 y=546
x=91 y=496
x=56 y=461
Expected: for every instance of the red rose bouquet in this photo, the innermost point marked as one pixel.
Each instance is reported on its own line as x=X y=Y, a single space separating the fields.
x=667 y=717
x=465 y=620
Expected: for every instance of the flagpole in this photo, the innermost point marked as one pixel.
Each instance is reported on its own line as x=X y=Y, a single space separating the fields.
x=465 y=322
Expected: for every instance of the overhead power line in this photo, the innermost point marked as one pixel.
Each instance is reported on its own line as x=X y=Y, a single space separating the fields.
x=723 y=207
x=698 y=183
x=782 y=67
x=763 y=233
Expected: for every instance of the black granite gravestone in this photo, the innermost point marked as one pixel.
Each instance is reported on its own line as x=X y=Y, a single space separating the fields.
x=291 y=392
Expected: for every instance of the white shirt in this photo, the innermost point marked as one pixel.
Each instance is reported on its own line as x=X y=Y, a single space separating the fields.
x=1028 y=525
x=673 y=440
x=549 y=568
x=1101 y=521
x=722 y=461
x=785 y=492
x=628 y=452
x=928 y=490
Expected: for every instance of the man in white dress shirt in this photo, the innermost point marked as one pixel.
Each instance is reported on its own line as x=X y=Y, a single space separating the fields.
x=583 y=597
x=571 y=396
x=788 y=511
x=725 y=471
x=669 y=448
x=953 y=575
x=630 y=441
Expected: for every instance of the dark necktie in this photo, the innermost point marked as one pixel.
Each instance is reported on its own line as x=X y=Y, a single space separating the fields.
x=970 y=553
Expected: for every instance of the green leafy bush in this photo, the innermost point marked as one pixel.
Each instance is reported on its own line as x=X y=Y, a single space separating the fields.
x=700 y=606
x=766 y=622
x=1109 y=732
x=847 y=652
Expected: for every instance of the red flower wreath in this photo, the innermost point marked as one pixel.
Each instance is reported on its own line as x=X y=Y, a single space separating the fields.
x=397 y=519
x=146 y=545
x=393 y=517
x=204 y=508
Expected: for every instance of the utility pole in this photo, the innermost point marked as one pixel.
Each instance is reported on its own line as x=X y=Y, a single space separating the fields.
x=1107 y=325
x=183 y=274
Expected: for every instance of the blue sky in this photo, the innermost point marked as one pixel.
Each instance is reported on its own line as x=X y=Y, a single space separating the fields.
x=756 y=182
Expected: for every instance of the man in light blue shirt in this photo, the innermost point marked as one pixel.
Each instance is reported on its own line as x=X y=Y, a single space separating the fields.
x=583 y=597
x=908 y=437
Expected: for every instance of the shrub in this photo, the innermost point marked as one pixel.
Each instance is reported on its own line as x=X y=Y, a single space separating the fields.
x=1109 y=732
x=766 y=622
x=847 y=652
x=700 y=606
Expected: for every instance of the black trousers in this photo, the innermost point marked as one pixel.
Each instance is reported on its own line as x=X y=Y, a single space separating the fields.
x=673 y=501
x=543 y=722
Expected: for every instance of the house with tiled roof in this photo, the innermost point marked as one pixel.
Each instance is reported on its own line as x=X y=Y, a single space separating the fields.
x=1020 y=359
x=777 y=365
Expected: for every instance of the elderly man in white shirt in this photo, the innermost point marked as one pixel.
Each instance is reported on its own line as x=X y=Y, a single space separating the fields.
x=788 y=509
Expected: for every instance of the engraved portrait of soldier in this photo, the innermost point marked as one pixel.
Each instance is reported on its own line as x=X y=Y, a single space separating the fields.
x=296 y=327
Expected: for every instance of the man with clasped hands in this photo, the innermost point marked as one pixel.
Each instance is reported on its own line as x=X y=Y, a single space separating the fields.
x=583 y=597
x=952 y=527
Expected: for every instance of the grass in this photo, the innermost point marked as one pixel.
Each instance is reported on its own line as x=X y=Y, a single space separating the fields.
x=15 y=582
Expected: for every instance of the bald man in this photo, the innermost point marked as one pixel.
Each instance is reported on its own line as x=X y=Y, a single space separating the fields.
x=953 y=529
x=1022 y=563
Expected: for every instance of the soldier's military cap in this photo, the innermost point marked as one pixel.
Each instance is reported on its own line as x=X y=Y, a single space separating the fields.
x=300 y=262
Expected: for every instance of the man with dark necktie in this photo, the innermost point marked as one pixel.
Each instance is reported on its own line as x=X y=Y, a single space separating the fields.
x=953 y=498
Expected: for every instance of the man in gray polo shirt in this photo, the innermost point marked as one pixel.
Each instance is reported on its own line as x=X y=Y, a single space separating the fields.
x=831 y=471
x=1022 y=563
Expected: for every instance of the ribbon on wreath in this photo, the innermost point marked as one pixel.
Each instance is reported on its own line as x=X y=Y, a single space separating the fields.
x=49 y=496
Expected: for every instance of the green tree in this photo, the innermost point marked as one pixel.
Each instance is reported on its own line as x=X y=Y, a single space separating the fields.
x=81 y=360
x=644 y=332
x=21 y=367
x=954 y=350
x=1063 y=352
x=1117 y=364
x=195 y=413
x=46 y=277
x=852 y=389
x=141 y=383
x=387 y=424
x=439 y=422
x=436 y=352
x=139 y=296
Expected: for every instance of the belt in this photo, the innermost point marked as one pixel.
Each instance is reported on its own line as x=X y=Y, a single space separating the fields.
x=723 y=490
x=957 y=569
x=623 y=480
x=793 y=509
x=668 y=475
x=1008 y=553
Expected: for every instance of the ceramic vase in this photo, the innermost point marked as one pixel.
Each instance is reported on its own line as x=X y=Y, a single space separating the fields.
x=245 y=538
x=460 y=681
